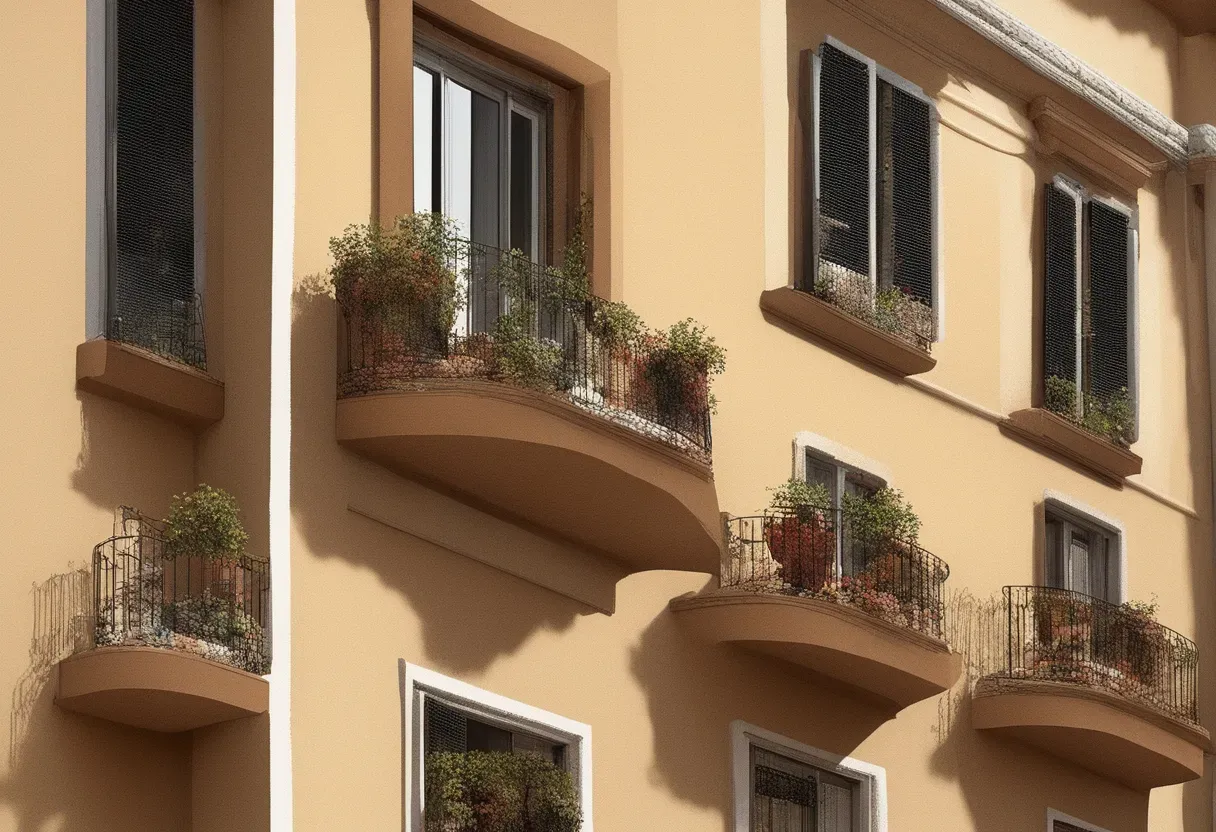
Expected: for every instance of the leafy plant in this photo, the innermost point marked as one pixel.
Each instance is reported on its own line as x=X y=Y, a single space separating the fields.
x=219 y=620
x=525 y=359
x=205 y=523
x=484 y=791
x=1060 y=397
x=883 y=514
x=795 y=494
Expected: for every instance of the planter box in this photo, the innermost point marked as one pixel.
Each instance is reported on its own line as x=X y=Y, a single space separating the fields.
x=1061 y=436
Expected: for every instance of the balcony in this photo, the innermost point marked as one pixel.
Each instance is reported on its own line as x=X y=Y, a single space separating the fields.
x=179 y=642
x=888 y=329
x=1099 y=684
x=153 y=358
x=864 y=611
x=529 y=401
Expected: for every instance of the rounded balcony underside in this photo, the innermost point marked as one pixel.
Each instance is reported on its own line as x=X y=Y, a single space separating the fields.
x=894 y=666
x=158 y=689
x=538 y=459
x=1098 y=730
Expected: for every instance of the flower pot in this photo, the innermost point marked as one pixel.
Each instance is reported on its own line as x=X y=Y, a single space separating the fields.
x=804 y=549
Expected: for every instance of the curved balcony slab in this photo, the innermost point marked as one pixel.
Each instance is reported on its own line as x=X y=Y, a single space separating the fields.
x=145 y=380
x=158 y=689
x=894 y=665
x=538 y=459
x=1101 y=731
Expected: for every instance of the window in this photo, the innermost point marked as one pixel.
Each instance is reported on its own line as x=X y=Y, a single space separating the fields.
x=150 y=171
x=1082 y=554
x=1060 y=822
x=480 y=150
x=445 y=715
x=1089 y=263
x=785 y=786
x=839 y=479
x=872 y=223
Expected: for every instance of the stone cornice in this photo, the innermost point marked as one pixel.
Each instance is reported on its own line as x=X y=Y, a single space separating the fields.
x=1202 y=141
x=1071 y=73
x=1063 y=133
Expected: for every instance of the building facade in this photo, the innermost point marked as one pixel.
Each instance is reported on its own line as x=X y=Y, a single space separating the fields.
x=934 y=551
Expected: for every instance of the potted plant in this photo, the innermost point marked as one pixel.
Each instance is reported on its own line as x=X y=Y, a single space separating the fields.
x=800 y=533
x=676 y=366
x=487 y=791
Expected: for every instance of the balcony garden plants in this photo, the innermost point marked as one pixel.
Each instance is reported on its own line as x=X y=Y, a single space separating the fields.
x=889 y=309
x=1112 y=417
x=485 y=791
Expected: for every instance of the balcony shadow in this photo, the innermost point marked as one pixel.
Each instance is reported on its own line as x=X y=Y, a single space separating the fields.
x=57 y=762
x=466 y=619
x=695 y=690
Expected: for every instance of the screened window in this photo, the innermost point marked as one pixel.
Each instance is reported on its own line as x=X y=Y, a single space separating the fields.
x=839 y=480
x=480 y=151
x=873 y=148
x=789 y=795
x=151 y=280
x=1089 y=261
x=1082 y=556
x=449 y=728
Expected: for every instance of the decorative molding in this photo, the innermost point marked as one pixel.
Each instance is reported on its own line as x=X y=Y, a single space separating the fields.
x=1063 y=133
x=1070 y=72
x=1202 y=141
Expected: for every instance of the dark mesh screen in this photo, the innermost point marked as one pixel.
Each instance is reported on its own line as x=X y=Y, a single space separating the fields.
x=1060 y=285
x=446 y=729
x=905 y=193
x=1108 y=254
x=152 y=292
x=844 y=161
x=781 y=785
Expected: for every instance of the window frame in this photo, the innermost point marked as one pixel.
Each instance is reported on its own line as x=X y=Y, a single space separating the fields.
x=1077 y=514
x=417 y=682
x=1082 y=192
x=810 y=230
x=871 y=779
x=513 y=94
x=1054 y=816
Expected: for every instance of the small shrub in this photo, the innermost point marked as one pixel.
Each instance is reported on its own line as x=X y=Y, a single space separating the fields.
x=1112 y=417
x=795 y=495
x=884 y=514
x=205 y=523
x=483 y=791
x=1060 y=397
x=217 y=620
x=525 y=359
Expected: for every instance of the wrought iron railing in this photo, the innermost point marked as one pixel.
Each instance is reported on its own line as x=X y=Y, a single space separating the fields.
x=214 y=608
x=169 y=327
x=819 y=553
x=1057 y=635
x=522 y=323
x=893 y=311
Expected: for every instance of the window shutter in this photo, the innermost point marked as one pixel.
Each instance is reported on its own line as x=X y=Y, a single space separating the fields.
x=152 y=259
x=1060 y=286
x=843 y=176
x=905 y=192
x=1108 y=289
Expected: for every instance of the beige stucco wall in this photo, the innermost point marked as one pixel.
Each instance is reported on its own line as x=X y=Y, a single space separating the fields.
x=699 y=154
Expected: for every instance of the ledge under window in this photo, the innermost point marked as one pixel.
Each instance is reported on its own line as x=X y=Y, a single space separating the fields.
x=856 y=337
x=1056 y=434
x=143 y=379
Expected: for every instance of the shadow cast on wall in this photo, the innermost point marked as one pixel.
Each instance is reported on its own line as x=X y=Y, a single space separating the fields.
x=61 y=766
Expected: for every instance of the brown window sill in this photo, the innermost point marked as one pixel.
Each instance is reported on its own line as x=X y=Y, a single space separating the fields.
x=1057 y=434
x=144 y=380
x=819 y=318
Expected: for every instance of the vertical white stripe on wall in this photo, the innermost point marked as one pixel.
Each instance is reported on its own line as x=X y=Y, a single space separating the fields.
x=282 y=245
x=95 y=168
x=774 y=100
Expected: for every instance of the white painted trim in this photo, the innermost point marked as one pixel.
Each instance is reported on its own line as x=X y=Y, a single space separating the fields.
x=282 y=246
x=744 y=735
x=414 y=679
x=1054 y=815
x=1114 y=526
x=939 y=237
x=95 y=169
x=1070 y=72
x=834 y=452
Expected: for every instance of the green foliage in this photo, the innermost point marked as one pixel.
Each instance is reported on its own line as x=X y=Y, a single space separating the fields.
x=386 y=270
x=616 y=325
x=689 y=342
x=483 y=791
x=883 y=514
x=219 y=620
x=1112 y=417
x=523 y=358
x=205 y=523
x=794 y=494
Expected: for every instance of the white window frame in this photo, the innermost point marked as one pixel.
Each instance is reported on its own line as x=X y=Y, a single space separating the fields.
x=100 y=188
x=1081 y=194
x=512 y=95
x=1054 y=815
x=872 y=779
x=844 y=459
x=876 y=72
x=1072 y=510
x=417 y=682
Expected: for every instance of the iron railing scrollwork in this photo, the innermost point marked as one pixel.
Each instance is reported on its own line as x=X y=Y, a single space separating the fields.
x=214 y=608
x=816 y=552
x=170 y=327
x=1057 y=635
x=519 y=322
